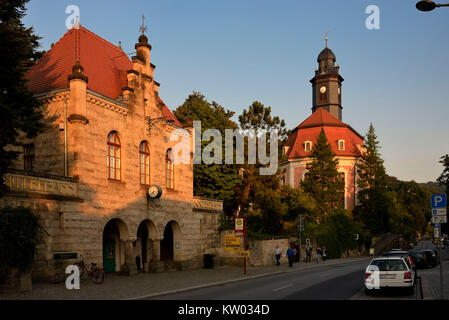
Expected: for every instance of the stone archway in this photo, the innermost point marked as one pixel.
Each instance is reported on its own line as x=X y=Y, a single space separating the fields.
x=115 y=233
x=144 y=250
x=171 y=243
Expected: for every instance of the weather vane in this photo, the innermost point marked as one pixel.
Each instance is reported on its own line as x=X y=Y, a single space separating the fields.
x=326 y=33
x=143 y=28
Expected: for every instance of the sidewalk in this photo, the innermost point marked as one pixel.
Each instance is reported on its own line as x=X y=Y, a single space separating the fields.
x=147 y=285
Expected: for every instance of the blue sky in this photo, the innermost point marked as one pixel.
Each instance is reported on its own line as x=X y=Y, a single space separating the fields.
x=236 y=52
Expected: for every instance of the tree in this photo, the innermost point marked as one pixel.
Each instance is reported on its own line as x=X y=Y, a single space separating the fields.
x=211 y=180
x=20 y=112
x=375 y=202
x=322 y=180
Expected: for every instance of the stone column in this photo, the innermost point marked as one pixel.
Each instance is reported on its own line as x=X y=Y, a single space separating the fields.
x=156 y=265
x=129 y=267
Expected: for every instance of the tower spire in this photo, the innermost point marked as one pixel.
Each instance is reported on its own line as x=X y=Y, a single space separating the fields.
x=326 y=37
x=143 y=28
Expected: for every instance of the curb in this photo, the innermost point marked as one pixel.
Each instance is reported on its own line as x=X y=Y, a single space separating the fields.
x=212 y=284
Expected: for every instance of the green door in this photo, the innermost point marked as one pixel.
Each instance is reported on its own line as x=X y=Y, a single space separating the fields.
x=109 y=255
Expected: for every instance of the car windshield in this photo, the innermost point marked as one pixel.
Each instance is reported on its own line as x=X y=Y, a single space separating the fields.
x=389 y=265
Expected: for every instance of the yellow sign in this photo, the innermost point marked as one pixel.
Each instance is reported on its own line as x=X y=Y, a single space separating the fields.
x=232 y=243
x=245 y=253
x=19 y=182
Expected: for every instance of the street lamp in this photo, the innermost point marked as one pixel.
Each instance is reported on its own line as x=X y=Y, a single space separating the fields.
x=429 y=5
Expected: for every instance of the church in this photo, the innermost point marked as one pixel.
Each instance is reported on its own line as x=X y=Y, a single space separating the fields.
x=327 y=113
x=102 y=176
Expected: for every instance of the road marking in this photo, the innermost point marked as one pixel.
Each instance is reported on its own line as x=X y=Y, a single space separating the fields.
x=287 y=286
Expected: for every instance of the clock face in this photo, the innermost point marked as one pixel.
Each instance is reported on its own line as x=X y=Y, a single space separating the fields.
x=154 y=192
x=323 y=89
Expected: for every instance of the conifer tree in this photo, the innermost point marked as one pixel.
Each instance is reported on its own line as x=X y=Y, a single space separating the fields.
x=20 y=111
x=443 y=179
x=375 y=203
x=322 y=180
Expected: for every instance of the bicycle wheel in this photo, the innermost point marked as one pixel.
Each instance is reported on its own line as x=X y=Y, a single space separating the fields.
x=98 y=276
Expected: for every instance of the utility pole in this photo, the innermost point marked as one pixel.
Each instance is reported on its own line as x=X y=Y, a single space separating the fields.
x=300 y=229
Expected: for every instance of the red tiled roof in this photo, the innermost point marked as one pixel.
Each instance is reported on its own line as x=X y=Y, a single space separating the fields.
x=335 y=130
x=168 y=114
x=104 y=64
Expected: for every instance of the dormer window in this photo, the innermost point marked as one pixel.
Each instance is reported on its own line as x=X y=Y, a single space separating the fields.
x=341 y=144
x=308 y=146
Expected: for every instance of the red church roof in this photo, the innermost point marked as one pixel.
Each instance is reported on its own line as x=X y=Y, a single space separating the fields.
x=104 y=64
x=335 y=130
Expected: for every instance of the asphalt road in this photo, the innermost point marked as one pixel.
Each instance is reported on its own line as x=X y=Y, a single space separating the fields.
x=339 y=282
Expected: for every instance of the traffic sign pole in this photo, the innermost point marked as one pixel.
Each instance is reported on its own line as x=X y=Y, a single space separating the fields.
x=439 y=205
x=244 y=245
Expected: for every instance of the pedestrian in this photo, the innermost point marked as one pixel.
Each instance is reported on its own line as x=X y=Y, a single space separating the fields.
x=277 y=252
x=308 y=254
x=318 y=254
x=290 y=256
x=324 y=253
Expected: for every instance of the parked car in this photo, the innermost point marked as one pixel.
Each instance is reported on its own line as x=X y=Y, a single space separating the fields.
x=401 y=253
x=392 y=272
x=432 y=257
x=419 y=259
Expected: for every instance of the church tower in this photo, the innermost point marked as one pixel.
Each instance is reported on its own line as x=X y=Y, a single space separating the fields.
x=326 y=85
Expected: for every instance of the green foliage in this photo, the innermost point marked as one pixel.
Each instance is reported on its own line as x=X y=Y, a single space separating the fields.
x=323 y=181
x=214 y=180
x=337 y=234
x=20 y=112
x=19 y=236
x=443 y=180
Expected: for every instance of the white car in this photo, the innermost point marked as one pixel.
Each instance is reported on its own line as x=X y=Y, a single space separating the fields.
x=389 y=272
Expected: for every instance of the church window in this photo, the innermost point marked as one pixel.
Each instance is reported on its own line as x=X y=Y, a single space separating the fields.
x=169 y=170
x=114 y=156
x=144 y=153
x=308 y=146
x=341 y=144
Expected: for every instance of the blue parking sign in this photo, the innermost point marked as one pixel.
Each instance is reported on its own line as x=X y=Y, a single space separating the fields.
x=438 y=201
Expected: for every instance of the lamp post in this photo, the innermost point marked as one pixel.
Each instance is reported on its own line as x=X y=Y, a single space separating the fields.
x=429 y=5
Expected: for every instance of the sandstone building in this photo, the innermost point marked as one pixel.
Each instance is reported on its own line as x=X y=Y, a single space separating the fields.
x=88 y=175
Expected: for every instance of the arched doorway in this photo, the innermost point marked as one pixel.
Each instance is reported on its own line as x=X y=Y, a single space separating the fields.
x=142 y=246
x=113 y=250
x=171 y=243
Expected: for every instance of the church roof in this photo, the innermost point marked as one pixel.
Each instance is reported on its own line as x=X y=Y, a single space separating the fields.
x=104 y=64
x=335 y=130
x=325 y=54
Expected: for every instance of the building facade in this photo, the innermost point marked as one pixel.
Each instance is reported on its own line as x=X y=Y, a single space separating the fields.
x=102 y=176
x=327 y=114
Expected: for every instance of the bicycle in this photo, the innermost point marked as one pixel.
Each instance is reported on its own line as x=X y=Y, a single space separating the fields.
x=95 y=273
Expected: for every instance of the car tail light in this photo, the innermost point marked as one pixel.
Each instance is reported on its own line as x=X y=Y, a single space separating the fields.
x=367 y=275
x=407 y=275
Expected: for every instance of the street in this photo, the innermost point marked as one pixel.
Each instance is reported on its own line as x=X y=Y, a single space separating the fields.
x=337 y=282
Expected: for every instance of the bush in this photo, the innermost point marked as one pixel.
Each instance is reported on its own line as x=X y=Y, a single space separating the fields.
x=19 y=235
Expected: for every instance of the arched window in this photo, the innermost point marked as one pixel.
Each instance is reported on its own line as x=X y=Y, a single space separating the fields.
x=169 y=170
x=341 y=144
x=144 y=153
x=114 y=156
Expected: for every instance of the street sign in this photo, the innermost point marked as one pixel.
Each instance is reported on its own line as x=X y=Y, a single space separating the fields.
x=245 y=253
x=439 y=219
x=239 y=227
x=438 y=201
x=439 y=212
x=232 y=243
x=436 y=233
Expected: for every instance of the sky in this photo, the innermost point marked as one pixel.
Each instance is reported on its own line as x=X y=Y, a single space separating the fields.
x=236 y=52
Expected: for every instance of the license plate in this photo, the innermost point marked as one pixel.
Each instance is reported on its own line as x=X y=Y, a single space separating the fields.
x=387 y=276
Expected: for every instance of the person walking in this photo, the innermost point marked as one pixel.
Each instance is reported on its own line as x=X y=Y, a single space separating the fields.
x=308 y=254
x=324 y=253
x=318 y=254
x=290 y=256
x=277 y=252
